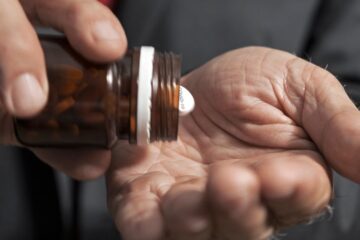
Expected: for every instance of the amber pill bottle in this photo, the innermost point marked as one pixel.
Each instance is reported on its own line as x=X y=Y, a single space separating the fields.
x=135 y=98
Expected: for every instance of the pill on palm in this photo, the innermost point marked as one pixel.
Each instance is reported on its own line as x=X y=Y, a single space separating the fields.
x=186 y=102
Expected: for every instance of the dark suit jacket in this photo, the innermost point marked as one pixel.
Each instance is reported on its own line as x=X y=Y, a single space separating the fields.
x=36 y=205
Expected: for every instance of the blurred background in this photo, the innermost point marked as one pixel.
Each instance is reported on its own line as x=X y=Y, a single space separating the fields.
x=37 y=202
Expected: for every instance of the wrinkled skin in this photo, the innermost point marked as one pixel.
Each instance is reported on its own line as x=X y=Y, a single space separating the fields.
x=251 y=158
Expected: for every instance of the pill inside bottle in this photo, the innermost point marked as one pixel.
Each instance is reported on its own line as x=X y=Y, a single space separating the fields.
x=137 y=98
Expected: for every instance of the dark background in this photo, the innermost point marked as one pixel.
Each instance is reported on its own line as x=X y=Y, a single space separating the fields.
x=37 y=203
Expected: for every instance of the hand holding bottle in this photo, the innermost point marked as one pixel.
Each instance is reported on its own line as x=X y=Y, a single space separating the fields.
x=91 y=29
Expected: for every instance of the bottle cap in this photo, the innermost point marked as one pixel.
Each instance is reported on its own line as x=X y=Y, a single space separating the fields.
x=144 y=95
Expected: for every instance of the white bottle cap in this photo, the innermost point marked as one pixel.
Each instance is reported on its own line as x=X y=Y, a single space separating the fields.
x=186 y=102
x=144 y=95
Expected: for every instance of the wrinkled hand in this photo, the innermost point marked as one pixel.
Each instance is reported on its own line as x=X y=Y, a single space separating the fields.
x=251 y=158
x=91 y=29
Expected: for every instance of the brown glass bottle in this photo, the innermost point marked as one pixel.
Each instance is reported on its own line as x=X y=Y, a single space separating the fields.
x=96 y=104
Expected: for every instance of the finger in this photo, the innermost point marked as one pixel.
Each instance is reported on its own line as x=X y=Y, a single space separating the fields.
x=135 y=206
x=295 y=186
x=22 y=69
x=234 y=193
x=81 y=164
x=328 y=115
x=90 y=27
x=139 y=217
x=185 y=211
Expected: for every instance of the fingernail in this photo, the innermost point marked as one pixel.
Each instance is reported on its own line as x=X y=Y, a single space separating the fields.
x=104 y=30
x=26 y=96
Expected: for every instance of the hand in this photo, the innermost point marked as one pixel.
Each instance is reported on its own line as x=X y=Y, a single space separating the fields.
x=91 y=29
x=250 y=160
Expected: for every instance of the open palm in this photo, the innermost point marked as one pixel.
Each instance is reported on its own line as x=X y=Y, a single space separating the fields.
x=249 y=159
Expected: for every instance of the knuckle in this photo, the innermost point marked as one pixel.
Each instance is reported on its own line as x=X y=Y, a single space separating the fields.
x=83 y=11
x=79 y=11
x=316 y=190
x=309 y=180
x=224 y=199
x=18 y=57
x=308 y=191
x=14 y=46
x=74 y=12
x=239 y=192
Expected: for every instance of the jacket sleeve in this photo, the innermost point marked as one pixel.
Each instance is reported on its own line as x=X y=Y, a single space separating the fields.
x=334 y=42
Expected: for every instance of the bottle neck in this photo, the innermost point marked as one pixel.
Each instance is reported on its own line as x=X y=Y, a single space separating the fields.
x=165 y=97
x=147 y=96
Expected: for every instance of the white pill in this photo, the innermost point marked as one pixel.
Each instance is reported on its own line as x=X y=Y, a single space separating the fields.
x=186 y=102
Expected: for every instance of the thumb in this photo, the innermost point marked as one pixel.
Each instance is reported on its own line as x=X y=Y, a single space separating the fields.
x=331 y=119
